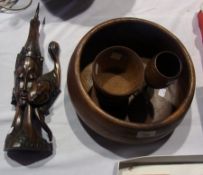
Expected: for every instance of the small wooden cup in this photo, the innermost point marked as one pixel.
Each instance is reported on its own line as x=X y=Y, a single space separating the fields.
x=163 y=70
x=117 y=72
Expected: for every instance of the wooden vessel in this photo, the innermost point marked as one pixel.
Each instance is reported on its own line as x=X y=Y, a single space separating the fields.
x=168 y=105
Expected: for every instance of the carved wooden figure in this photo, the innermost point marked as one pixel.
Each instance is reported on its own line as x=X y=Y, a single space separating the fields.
x=33 y=95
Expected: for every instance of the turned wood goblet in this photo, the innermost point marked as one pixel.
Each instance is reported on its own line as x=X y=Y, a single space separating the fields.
x=117 y=73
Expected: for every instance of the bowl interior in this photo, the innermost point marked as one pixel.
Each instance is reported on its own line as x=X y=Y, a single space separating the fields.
x=147 y=40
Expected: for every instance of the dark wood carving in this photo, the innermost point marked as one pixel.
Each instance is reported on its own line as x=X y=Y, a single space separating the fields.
x=33 y=94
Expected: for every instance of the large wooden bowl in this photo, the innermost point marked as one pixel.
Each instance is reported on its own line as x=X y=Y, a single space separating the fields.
x=146 y=38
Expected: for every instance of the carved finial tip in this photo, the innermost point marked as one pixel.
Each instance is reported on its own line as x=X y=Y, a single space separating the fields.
x=37 y=11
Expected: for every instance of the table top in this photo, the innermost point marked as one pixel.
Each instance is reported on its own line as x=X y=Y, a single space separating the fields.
x=77 y=150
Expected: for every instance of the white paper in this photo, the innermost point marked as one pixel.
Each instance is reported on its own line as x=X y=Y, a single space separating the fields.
x=178 y=169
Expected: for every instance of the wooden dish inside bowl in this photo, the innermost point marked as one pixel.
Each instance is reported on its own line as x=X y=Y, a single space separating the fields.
x=167 y=106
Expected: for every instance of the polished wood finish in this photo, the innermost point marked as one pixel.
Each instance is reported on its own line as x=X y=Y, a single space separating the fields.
x=163 y=70
x=168 y=105
x=118 y=72
x=33 y=95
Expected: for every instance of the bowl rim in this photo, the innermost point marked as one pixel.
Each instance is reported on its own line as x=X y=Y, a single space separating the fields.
x=175 y=116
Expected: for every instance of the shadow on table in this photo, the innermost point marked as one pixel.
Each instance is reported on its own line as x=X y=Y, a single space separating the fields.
x=199 y=97
x=115 y=169
x=199 y=46
x=122 y=150
x=180 y=134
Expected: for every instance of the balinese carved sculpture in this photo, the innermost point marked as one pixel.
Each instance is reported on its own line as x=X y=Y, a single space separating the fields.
x=33 y=94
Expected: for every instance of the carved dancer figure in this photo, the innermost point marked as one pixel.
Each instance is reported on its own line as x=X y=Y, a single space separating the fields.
x=33 y=94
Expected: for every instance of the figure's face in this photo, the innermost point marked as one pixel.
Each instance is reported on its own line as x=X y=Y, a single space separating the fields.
x=39 y=93
x=25 y=76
